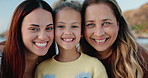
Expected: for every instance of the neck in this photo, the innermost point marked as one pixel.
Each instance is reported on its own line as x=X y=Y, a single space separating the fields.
x=67 y=55
x=104 y=54
x=31 y=61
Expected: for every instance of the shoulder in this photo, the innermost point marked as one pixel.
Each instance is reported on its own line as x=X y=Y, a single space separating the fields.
x=96 y=66
x=92 y=60
x=89 y=58
x=44 y=64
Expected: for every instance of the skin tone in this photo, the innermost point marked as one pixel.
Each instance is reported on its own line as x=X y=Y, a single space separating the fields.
x=67 y=34
x=101 y=28
x=37 y=34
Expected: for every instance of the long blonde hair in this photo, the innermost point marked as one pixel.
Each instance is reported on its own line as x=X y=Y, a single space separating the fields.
x=126 y=59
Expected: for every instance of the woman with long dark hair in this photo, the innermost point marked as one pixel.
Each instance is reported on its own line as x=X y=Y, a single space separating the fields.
x=30 y=39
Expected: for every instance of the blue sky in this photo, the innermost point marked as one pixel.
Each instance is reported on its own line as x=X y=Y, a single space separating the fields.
x=8 y=6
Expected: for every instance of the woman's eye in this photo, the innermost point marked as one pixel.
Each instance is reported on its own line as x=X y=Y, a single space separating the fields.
x=34 y=29
x=60 y=26
x=106 y=23
x=90 y=24
x=49 y=28
x=74 y=27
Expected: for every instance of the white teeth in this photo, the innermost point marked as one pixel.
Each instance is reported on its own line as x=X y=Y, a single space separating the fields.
x=99 y=41
x=67 y=39
x=41 y=44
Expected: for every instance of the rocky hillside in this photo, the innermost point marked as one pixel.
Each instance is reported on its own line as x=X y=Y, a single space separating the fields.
x=138 y=20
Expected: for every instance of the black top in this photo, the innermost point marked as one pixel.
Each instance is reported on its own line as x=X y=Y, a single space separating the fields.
x=107 y=63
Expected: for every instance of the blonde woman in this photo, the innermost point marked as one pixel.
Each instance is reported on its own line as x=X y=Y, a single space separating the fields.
x=108 y=38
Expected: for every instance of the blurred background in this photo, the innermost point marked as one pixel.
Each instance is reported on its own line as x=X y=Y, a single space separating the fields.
x=134 y=11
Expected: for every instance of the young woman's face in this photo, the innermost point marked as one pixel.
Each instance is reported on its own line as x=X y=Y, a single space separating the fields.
x=37 y=31
x=67 y=28
x=101 y=27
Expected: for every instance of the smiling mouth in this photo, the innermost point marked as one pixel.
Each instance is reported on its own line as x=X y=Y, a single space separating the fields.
x=68 y=39
x=41 y=45
x=100 y=40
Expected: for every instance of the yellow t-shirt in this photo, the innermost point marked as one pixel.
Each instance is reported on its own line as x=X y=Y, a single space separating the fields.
x=84 y=67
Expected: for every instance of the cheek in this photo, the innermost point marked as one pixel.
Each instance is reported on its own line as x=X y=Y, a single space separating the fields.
x=51 y=35
x=79 y=35
x=57 y=33
x=78 y=32
x=87 y=32
x=115 y=30
x=25 y=34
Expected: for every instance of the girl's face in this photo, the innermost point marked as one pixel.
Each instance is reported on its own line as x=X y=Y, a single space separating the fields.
x=37 y=31
x=101 y=27
x=68 y=28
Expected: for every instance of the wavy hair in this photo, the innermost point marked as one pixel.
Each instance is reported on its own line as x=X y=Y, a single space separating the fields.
x=126 y=59
x=13 y=60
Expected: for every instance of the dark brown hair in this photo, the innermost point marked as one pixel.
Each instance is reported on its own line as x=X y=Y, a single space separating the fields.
x=13 y=60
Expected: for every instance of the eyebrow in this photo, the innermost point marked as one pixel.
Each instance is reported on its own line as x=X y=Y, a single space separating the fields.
x=49 y=25
x=75 y=23
x=106 y=19
x=89 y=21
x=39 y=25
x=72 y=23
x=60 y=22
x=93 y=20
x=34 y=25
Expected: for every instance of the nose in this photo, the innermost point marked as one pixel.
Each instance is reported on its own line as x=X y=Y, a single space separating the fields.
x=42 y=35
x=68 y=31
x=99 y=31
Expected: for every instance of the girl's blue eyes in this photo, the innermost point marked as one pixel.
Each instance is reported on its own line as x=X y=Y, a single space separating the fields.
x=60 y=26
x=75 y=27
x=90 y=24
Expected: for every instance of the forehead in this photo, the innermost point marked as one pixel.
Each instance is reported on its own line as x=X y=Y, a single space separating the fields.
x=101 y=10
x=68 y=9
x=68 y=14
x=38 y=14
x=99 y=7
x=39 y=17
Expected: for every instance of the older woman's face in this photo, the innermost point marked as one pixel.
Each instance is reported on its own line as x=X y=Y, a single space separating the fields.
x=101 y=27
